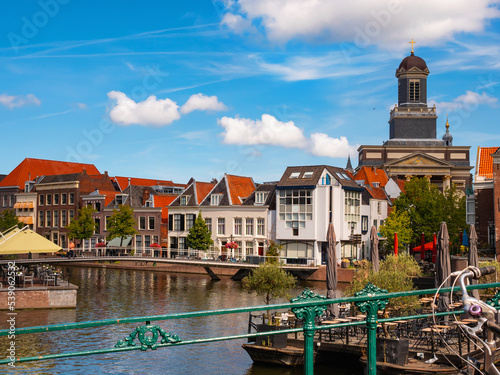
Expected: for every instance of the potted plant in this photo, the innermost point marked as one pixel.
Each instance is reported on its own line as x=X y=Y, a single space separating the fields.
x=230 y=246
x=345 y=263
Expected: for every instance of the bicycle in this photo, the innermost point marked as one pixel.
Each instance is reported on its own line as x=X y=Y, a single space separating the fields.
x=483 y=313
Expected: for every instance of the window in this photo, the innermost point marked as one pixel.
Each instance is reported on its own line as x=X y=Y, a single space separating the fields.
x=352 y=207
x=147 y=240
x=326 y=180
x=138 y=241
x=178 y=222
x=221 y=226
x=64 y=198
x=56 y=198
x=294 y=175
x=120 y=199
x=182 y=242
x=249 y=247
x=174 y=242
x=71 y=198
x=190 y=218
x=142 y=222
x=151 y=223
x=98 y=206
x=364 y=224
x=375 y=223
x=97 y=226
x=308 y=174
x=56 y=219
x=260 y=197
x=64 y=218
x=249 y=226
x=106 y=222
x=184 y=200
x=238 y=224
x=414 y=90
x=48 y=215
x=261 y=226
x=295 y=207
x=208 y=221
x=49 y=199
x=215 y=199
x=379 y=208
x=41 y=200
x=41 y=217
x=71 y=215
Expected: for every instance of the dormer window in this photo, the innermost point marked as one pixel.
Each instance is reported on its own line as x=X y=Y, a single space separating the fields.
x=215 y=199
x=260 y=197
x=120 y=199
x=294 y=175
x=326 y=180
x=376 y=184
x=307 y=174
x=184 y=200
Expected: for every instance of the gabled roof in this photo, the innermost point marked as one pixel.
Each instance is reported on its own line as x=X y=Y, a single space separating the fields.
x=59 y=178
x=123 y=182
x=484 y=161
x=234 y=190
x=309 y=177
x=418 y=158
x=41 y=167
x=269 y=188
x=370 y=175
x=163 y=201
x=196 y=191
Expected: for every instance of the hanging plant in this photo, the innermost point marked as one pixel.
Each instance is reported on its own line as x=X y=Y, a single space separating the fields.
x=231 y=245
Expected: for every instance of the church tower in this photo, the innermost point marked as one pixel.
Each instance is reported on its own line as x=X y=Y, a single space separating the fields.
x=413 y=148
x=412 y=121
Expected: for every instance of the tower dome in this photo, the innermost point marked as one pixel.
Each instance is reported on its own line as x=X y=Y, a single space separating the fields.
x=412 y=61
x=447 y=137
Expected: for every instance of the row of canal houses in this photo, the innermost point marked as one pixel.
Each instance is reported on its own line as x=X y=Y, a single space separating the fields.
x=294 y=211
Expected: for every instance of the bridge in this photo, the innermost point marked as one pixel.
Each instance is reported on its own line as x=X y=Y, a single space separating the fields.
x=302 y=272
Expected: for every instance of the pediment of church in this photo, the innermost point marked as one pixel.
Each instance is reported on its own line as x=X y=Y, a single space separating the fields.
x=418 y=159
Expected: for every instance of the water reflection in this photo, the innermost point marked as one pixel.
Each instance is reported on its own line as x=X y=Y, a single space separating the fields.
x=114 y=293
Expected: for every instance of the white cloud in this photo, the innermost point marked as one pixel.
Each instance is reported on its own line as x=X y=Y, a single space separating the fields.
x=152 y=111
x=236 y=23
x=366 y=22
x=468 y=102
x=200 y=102
x=270 y=131
x=10 y=101
x=324 y=145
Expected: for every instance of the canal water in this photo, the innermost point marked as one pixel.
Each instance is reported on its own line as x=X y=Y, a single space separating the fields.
x=117 y=293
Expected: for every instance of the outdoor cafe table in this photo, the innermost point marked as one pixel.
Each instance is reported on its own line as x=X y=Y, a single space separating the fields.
x=337 y=321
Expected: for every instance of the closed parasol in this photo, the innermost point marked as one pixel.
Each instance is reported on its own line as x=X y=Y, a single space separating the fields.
x=374 y=248
x=331 y=270
x=473 y=257
x=443 y=266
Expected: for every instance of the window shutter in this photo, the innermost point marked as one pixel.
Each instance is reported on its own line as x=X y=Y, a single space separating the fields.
x=182 y=222
x=170 y=222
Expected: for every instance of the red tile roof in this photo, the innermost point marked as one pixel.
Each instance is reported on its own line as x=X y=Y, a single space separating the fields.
x=163 y=201
x=202 y=190
x=41 y=167
x=110 y=195
x=123 y=182
x=239 y=187
x=484 y=161
x=371 y=175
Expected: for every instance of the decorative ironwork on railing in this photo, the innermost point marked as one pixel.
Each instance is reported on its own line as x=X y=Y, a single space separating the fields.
x=307 y=307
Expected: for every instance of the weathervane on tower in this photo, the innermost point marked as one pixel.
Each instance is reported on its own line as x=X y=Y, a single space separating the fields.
x=412 y=43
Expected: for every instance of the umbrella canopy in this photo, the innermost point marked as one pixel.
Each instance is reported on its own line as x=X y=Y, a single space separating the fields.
x=473 y=257
x=374 y=248
x=331 y=270
x=428 y=246
x=23 y=241
x=443 y=265
x=396 y=244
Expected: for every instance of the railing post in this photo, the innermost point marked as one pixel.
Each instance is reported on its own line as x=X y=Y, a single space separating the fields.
x=371 y=309
x=308 y=314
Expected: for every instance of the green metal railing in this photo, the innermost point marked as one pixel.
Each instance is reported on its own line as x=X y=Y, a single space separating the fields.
x=307 y=307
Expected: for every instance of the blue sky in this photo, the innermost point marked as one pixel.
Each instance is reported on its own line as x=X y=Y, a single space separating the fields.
x=180 y=89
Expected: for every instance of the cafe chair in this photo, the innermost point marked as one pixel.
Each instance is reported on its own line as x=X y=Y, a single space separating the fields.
x=27 y=278
x=49 y=279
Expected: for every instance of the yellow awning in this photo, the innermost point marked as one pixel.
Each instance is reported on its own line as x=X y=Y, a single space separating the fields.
x=22 y=241
x=17 y=205
x=26 y=219
x=21 y=205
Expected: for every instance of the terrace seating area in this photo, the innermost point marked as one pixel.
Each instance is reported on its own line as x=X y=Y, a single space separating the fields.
x=32 y=275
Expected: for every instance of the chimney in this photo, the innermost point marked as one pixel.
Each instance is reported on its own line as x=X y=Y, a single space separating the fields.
x=129 y=181
x=144 y=196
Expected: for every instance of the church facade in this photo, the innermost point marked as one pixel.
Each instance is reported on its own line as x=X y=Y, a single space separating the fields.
x=413 y=148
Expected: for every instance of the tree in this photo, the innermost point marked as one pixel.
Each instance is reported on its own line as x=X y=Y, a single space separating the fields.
x=271 y=281
x=8 y=219
x=397 y=222
x=395 y=275
x=273 y=252
x=84 y=225
x=428 y=207
x=199 y=236
x=121 y=224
